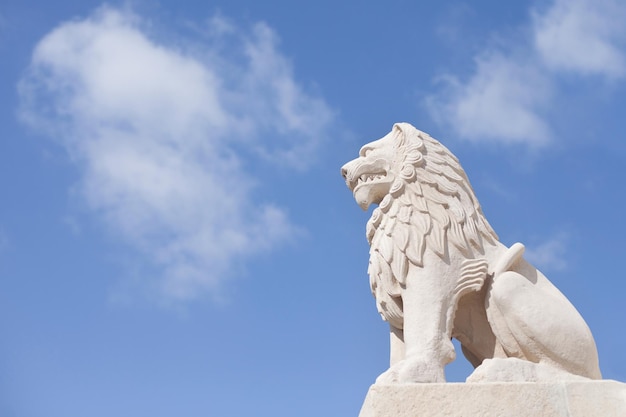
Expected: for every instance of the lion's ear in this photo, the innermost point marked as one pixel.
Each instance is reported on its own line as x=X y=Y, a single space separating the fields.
x=400 y=127
x=400 y=134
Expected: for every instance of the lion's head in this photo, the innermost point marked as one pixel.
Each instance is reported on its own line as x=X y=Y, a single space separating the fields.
x=424 y=202
x=371 y=175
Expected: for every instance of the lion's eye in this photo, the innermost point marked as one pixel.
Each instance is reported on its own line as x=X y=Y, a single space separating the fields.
x=364 y=151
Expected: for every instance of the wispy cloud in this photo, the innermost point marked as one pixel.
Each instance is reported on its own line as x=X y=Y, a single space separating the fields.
x=550 y=254
x=582 y=36
x=153 y=129
x=498 y=102
x=512 y=86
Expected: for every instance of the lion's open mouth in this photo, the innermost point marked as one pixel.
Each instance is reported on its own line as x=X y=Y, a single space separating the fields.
x=369 y=177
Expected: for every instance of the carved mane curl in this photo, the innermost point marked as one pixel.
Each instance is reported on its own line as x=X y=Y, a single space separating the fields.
x=429 y=205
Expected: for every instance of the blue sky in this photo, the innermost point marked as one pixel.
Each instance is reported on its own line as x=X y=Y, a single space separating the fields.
x=175 y=237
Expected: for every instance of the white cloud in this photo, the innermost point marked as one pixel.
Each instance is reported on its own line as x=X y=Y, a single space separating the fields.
x=152 y=128
x=498 y=103
x=281 y=106
x=549 y=255
x=583 y=36
x=507 y=96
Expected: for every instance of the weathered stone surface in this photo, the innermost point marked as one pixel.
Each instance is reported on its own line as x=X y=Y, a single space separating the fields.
x=510 y=399
x=438 y=271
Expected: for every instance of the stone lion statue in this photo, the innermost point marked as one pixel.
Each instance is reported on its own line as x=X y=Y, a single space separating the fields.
x=438 y=271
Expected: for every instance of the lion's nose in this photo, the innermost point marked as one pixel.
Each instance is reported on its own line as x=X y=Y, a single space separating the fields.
x=344 y=172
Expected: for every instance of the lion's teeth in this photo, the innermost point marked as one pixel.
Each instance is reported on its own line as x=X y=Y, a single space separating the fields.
x=370 y=177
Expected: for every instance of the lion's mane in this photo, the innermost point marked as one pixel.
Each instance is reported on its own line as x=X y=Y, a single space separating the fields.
x=430 y=205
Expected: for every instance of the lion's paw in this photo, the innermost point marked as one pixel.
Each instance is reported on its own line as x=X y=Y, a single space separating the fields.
x=390 y=376
x=412 y=371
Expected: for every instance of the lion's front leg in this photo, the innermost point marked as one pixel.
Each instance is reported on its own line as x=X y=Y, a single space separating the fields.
x=396 y=345
x=428 y=348
x=426 y=335
x=396 y=356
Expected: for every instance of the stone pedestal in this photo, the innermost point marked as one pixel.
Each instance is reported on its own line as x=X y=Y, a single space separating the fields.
x=500 y=399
